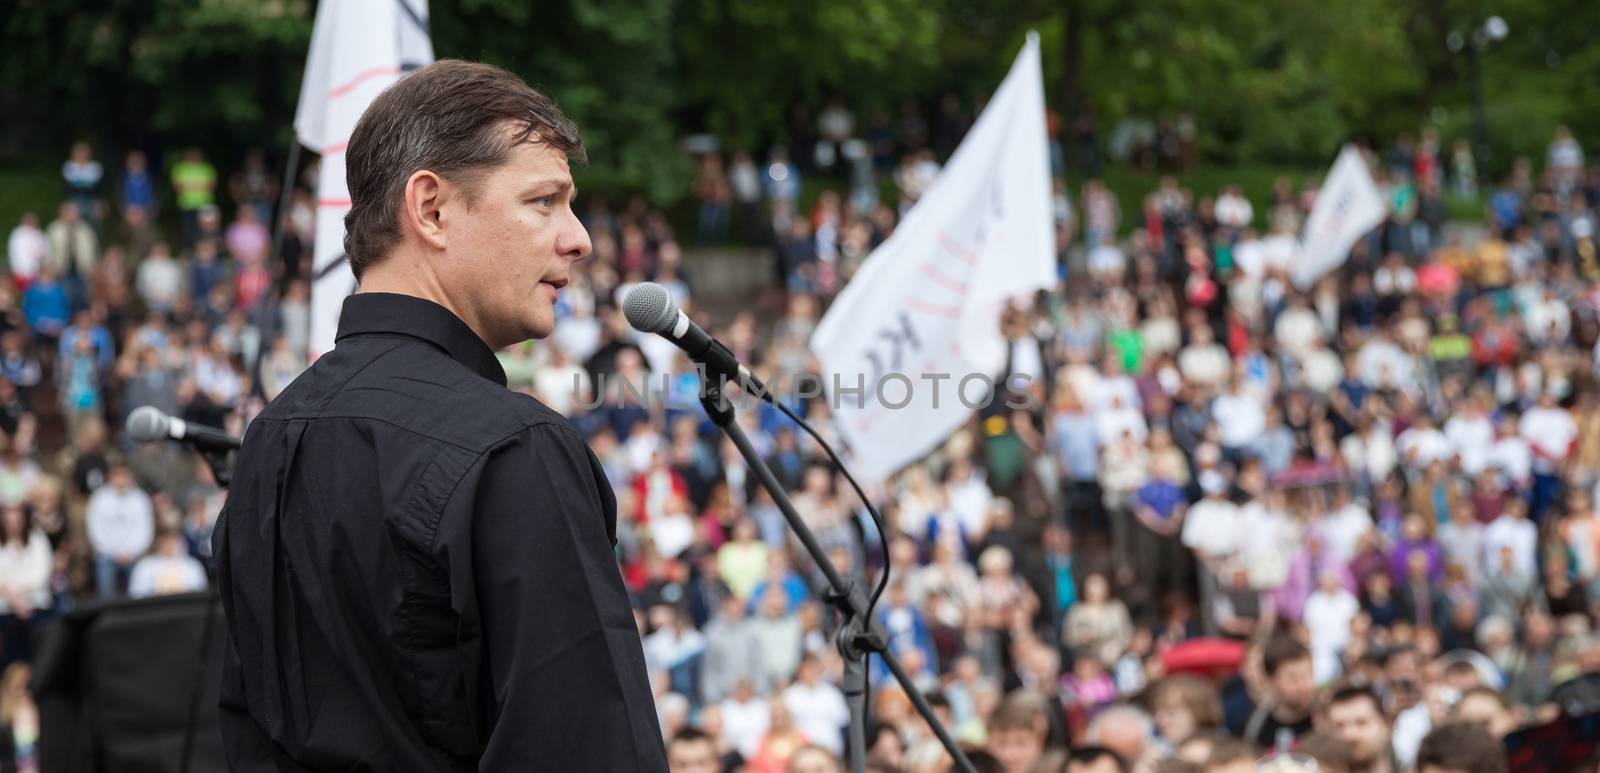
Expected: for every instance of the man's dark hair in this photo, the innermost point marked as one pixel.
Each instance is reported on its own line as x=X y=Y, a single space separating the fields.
x=1462 y=746
x=1281 y=650
x=456 y=119
x=1461 y=668
x=1088 y=755
x=692 y=735
x=1346 y=693
x=982 y=761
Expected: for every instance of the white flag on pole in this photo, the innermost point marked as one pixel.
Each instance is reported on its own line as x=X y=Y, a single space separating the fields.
x=358 y=48
x=917 y=329
x=1348 y=206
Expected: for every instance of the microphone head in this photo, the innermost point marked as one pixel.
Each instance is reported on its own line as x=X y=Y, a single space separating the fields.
x=649 y=308
x=148 y=424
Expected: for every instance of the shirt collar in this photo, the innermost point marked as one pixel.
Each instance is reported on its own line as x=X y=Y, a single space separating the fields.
x=419 y=318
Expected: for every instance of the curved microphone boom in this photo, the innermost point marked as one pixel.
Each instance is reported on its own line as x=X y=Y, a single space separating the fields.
x=147 y=424
x=649 y=309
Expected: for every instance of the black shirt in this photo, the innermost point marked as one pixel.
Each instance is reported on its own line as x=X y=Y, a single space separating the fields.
x=418 y=572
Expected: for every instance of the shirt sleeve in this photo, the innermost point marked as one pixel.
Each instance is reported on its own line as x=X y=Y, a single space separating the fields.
x=544 y=616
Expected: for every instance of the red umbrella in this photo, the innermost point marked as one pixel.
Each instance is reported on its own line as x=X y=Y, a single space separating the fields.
x=1208 y=658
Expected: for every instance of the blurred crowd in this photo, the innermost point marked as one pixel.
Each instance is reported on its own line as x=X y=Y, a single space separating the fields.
x=1353 y=524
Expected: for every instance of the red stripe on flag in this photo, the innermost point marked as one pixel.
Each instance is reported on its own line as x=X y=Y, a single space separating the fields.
x=948 y=312
x=335 y=149
x=350 y=85
x=328 y=203
x=948 y=282
x=955 y=248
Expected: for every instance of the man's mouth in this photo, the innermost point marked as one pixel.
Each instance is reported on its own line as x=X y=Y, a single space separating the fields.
x=556 y=283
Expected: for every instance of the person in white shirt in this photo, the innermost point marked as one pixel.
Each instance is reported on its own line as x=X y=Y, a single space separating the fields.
x=1422 y=444
x=1239 y=415
x=1204 y=362
x=1213 y=528
x=1461 y=540
x=1320 y=368
x=1547 y=320
x=1513 y=530
x=1113 y=385
x=1298 y=327
x=1327 y=616
x=1511 y=455
x=745 y=719
x=672 y=528
x=1549 y=431
x=561 y=383
x=168 y=570
x=1118 y=418
x=1371 y=450
x=161 y=280
x=673 y=648
x=121 y=524
x=1250 y=257
x=25 y=564
x=1344 y=524
x=1269 y=536
x=26 y=249
x=969 y=496
x=1382 y=363
x=1107 y=262
x=1565 y=155
x=1471 y=435
x=817 y=707
x=1233 y=209
x=1280 y=248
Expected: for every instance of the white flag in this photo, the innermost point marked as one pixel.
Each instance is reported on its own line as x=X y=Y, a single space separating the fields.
x=918 y=326
x=358 y=48
x=1348 y=206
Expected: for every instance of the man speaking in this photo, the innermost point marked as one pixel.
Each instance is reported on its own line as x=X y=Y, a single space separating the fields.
x=416 y=562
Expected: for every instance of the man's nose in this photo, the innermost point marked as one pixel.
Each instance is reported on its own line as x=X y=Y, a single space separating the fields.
x=575 y=244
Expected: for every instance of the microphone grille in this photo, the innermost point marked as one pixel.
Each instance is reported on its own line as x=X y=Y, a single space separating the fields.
x=146 y=424
x=648 y=308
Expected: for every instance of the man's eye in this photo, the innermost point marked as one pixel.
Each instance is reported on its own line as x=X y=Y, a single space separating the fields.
x=545 y=201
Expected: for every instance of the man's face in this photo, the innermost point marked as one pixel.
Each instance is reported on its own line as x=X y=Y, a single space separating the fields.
x=513 y=245
x=695 y=756
x=1358 y=723
x=1488 y=712
x=1295 y=684
x=1016 y=749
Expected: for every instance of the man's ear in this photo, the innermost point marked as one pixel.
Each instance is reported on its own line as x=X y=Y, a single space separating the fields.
x=422 y=209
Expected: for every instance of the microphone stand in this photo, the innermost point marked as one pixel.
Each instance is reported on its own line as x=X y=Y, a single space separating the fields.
x=222 y=471
x=860 y=634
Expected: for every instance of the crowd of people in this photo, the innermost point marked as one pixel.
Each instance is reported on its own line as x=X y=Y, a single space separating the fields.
x=1352 y=524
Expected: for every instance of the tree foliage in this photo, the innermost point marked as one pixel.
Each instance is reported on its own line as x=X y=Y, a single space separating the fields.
x=1276 y=82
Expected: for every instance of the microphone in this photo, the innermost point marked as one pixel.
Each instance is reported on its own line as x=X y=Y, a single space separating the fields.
x=147 y=424
x=649 y=309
